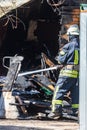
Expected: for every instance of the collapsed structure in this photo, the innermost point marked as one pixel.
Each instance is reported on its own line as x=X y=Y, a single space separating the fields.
x=33 y=28
x=40 y=25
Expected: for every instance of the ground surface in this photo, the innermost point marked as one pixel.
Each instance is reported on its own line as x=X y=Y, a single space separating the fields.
x=38 y=125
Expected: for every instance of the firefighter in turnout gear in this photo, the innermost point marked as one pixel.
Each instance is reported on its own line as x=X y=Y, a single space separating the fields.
x=69 y=74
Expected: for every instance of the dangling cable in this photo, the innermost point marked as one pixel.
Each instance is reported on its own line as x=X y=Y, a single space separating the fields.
x=55 y=5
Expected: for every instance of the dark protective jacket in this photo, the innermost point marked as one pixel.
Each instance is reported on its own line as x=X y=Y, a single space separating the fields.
x=68 y=77
x=69 y=55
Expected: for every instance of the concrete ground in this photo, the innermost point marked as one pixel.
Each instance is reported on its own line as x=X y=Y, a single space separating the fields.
x=37 y=125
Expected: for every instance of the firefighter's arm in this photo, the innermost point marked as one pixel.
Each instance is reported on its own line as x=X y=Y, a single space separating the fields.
x=61 y=58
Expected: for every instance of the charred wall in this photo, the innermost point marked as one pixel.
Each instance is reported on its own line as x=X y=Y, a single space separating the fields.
x=39 y=29
x=38 y=33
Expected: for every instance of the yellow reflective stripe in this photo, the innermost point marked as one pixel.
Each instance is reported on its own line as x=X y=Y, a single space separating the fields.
x=55 y=91
x=53 y=108
x=75 y=105
x=57 y=102
x=70 y=73
x=54 y=102
x=76 y=58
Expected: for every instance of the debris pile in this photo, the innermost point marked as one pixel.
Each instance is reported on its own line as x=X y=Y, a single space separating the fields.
x=29 y=96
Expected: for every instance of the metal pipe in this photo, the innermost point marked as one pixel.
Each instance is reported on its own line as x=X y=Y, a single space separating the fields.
x=40 y=70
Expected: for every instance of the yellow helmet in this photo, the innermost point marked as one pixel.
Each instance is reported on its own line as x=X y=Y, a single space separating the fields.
x=73 y=30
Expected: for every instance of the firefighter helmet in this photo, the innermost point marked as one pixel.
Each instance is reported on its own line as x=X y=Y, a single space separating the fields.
x=73 y=30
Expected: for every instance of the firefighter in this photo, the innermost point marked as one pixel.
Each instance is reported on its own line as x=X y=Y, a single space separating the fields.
x=69 y=74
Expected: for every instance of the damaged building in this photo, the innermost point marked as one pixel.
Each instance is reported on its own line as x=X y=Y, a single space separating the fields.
x=35 y=29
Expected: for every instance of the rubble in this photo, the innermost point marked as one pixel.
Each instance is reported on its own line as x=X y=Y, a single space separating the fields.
x=46 y=31
x=28 y=97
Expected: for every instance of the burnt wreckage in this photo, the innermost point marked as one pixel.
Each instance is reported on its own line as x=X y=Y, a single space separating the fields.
x=35 y=31
x=33 y=92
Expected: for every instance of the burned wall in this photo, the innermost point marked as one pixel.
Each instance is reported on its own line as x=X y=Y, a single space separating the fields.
x=41 y=27
x=37 y=32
